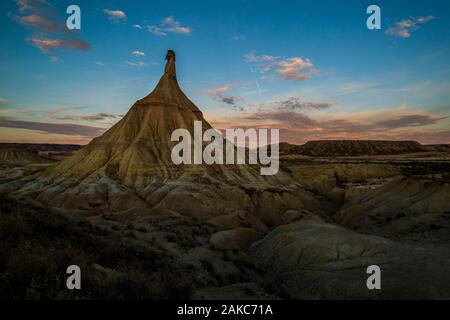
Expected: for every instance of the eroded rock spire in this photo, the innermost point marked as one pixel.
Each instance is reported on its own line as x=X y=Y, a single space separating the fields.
x=170 y=70
x=130 y=166
x=167 y=92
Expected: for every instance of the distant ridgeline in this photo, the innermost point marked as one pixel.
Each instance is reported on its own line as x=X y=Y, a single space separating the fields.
x=357 y=148
x=11 y=156
x=37 y=147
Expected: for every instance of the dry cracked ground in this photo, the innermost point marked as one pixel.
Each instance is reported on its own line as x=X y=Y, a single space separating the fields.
x=392 y=211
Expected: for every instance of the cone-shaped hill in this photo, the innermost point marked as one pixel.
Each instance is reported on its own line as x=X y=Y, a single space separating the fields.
x=137 y=150
x=129 y=167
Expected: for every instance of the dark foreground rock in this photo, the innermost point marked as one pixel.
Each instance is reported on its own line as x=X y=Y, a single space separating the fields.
x=315 y=260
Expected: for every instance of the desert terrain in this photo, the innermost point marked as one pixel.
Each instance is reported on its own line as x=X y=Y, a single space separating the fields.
x=142 y=228
x=353 y=211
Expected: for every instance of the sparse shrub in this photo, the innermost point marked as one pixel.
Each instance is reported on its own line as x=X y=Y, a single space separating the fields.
x=38 y=245
x=142 y=229
x=12 y=227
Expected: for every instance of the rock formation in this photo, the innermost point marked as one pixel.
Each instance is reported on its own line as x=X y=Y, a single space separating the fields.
x=417 y=207
x=311 y=231
x=312 y=259
x=137 y=150
x=359 y=147
x=19 y=157
x=130 y=168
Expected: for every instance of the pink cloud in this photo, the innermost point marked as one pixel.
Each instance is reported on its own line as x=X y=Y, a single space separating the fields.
x=297 y=127
x=48 y=28
x=40 y=22
x=290 y=69
x=26 y=5
x=47 y=45
x=218 y=93
x=115 y=15
x=218 y=90
x=404 y=28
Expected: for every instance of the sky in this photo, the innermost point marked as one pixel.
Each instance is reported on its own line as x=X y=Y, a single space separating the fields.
x=311 y=68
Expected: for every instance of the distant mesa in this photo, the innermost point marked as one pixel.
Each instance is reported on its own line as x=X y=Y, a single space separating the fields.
x=441 y=147
x=329 y=148
x=44 y=150
x=42 y=147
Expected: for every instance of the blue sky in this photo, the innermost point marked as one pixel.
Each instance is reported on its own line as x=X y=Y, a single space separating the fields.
x=311 y=68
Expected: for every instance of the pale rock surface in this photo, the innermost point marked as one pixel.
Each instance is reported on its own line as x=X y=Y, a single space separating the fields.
x=399 y=207
x=236 y=220
x=324 y=177
x=312 y=259
x=234 y=239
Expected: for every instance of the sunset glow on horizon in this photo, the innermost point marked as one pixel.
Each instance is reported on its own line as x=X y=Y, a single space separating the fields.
x=312 y=69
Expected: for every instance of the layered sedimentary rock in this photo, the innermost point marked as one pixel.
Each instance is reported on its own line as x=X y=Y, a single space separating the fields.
x=130 y=168
x=137 y=150
x=327 y=148
x=12 y=156
x=311 y=259
x=417 y=207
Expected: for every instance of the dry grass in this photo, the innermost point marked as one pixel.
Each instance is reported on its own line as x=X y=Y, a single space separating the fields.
x=37 y=246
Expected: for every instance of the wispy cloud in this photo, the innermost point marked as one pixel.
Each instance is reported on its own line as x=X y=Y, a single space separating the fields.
x=232 y=100
x=99 y=63
x=408 y=121
x=59 y=114
x=51 y=128
x=90 y=117
x=136 y=64
x=354 y=87
x=251 y=57
x=25 y=5
x=55 y=59
x=169 y=25
x=157 y=31
x=404 y=28
x=56 y=111
x=295 y=68
x=115 y=16
x=48 y=28
x=138 y=53
x=217 y=91
x=39 y=22
x=47 y=45
x=297 y=104
x=175 y=26
x=137 y=26
x=290 y=69
x=297 y=127
x=238 y=37
x=219 y=94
